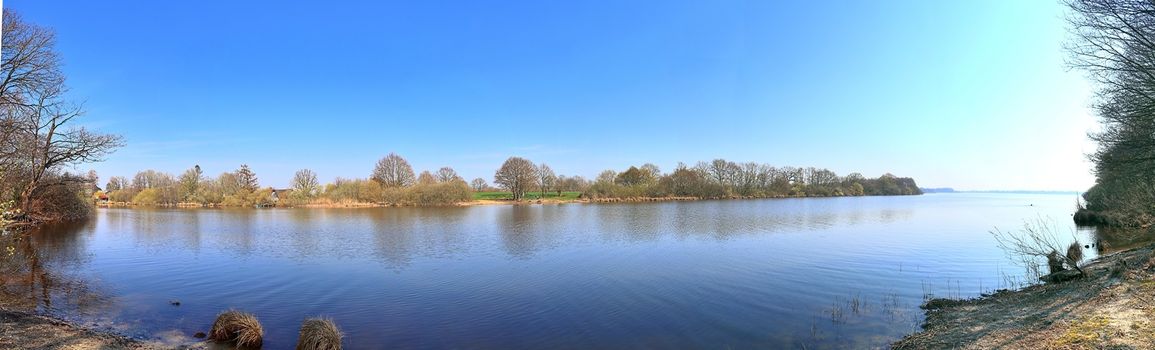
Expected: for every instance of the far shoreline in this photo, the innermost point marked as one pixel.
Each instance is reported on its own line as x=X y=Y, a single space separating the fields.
x=477 y=202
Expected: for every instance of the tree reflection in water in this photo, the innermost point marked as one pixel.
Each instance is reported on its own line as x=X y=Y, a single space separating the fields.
x=37 y=273
x=1114 y=239
x=519 y=234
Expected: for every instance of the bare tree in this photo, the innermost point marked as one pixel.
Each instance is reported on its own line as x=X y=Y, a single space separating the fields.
x=560 y=183
x=653 y=170
x=116 y=183
x=516 y=175
x=1038 y=241
x=721 y=171
x=30 y=64
x=38 y=140
x=155 y=188
x=229 y=183
x=447 y=174
x=47 y=145
x=686 y=181
x=92 y=177
x=546 y=178
x=478 y=184
x=426 y=178
x=305 y=183
x=578 y=183
x=393 y=171
x=152 y=179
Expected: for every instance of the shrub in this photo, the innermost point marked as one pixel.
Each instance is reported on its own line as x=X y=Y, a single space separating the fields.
x=1038 y=239
x=444 y=193
x=124 y=195
x=1075 y=252
x=240 y=327
x=319 y=334
x=61 y=202
x=148 y=196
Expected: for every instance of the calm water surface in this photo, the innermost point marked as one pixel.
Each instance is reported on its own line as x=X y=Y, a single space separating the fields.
x=776 y=273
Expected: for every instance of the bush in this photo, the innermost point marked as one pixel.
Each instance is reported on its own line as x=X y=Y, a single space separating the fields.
x=319 y=334
x=355 y=190
x=240 y=327
x=124 y=195
x=148 y=196
x=443 y=193
x=394 y=195
x=61 y=202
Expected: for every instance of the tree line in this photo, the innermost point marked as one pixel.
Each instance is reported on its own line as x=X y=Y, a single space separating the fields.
x=1113 y=41
x=393 y=182
x=706 y=180
x=726 y=179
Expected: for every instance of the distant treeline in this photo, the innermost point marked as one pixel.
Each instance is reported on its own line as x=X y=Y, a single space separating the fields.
x=393 y=182
x=725 y=179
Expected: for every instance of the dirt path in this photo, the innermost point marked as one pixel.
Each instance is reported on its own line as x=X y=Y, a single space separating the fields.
x=1113 y=308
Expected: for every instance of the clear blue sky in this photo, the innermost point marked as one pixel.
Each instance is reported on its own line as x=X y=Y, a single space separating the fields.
x=969 y=94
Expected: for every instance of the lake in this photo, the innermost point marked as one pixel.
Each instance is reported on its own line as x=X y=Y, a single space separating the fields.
x=770 y=273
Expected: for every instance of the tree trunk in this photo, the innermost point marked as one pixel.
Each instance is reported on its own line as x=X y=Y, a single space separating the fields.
x=26 y=199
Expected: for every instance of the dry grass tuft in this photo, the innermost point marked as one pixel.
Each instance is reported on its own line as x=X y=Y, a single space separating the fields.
x=240 y=327
x=1075 y=252
x=319 y=334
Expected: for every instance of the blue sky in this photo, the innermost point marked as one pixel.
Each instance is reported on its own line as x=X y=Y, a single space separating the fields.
x=969 y=94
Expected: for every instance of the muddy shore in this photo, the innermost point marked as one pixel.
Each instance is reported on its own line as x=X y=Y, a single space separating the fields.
x=1112 y=308
x=22 y=330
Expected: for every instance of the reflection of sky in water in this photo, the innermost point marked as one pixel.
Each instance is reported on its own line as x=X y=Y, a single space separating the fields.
x=831 y=272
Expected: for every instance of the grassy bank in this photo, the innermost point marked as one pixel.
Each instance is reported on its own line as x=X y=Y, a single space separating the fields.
x=500 y=195
x=1112 y=308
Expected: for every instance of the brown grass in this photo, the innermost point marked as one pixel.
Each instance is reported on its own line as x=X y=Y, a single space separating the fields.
x=319 y=334
x=240 y=327
x=1075 y=252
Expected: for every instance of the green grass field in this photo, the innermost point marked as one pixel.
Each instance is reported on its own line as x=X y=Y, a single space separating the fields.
x=528 y=195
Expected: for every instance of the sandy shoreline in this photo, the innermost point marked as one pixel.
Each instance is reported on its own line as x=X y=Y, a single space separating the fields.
x=1112 y=308
x=22 y=330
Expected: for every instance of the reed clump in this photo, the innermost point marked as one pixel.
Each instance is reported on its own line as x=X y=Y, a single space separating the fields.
x=1075 y=252
x=319 y=334
x=240 y=327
